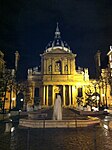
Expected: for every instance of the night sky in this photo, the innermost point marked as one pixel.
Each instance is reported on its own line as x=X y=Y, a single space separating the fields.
x=29 y=25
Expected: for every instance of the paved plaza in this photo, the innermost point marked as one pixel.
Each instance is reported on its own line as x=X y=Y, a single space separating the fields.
x=56 y=139
x=91 y=138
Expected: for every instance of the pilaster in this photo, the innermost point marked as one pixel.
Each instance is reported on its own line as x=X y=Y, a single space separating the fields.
x=69 y=95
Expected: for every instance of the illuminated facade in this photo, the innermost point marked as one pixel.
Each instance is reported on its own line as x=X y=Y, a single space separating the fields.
x=58 y=75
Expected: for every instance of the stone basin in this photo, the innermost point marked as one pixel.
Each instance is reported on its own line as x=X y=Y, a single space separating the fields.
x=58 y=123
x=36 y=115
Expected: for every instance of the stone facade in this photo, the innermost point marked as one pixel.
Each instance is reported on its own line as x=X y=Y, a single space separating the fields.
x=58 y=75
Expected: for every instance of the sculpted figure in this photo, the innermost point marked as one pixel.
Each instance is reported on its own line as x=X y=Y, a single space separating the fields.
x=57 y=111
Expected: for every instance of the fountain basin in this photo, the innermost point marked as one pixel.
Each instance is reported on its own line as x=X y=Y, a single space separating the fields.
x=36 y=115
x=58 y=123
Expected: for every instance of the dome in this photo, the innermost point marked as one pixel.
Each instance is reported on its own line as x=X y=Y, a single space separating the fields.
x=57 y=42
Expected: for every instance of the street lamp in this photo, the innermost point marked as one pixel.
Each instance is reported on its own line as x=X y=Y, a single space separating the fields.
x=97 y=99
x=21 y=99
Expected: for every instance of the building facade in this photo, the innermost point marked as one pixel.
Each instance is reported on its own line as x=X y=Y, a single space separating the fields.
x=58 y=75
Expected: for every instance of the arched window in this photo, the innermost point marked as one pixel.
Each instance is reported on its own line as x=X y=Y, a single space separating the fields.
x=80 y=94
x=66 y=68
x=58 y=66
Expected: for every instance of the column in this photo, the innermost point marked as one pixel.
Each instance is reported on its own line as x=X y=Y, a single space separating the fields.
x=53 y=66
x=69 y=95
x=62 y=66
x=63 y=95
x=52 y=95
x=73 y=94
x=43 y=95
x=47 y=95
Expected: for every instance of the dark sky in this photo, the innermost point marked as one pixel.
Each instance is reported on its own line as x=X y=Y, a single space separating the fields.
x=29 y=25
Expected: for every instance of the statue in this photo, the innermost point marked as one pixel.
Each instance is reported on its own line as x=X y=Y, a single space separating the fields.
x=57 y=111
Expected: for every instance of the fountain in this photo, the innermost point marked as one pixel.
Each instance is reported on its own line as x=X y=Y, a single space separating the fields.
x=40 y=118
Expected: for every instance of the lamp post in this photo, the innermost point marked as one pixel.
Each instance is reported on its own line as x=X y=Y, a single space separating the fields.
x=97 y=99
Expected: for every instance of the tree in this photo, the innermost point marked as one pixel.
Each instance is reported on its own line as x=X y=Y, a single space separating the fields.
x=89 y=97
x=24 y=88
x=7 y=81
x=1 y=91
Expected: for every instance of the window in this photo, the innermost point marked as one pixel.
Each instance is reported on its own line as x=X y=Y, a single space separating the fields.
x=80 y=92
x=36 y=96
x=58 y=66
x=66 y=68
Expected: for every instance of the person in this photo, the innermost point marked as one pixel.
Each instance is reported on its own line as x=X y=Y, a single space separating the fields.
x=57 y=111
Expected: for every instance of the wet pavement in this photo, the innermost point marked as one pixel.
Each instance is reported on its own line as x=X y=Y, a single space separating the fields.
x=56 y=139
x=91 y=138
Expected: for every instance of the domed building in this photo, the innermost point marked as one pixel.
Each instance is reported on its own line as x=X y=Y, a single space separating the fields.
x=58 y=75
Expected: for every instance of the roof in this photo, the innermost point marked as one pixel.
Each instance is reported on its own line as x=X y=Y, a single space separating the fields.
x=57 y=42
